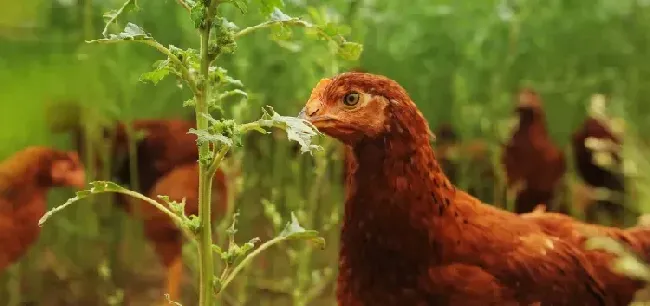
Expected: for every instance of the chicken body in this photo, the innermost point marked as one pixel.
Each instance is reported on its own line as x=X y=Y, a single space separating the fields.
x=409 y=237
x=530 y=158
x=25 y=179
x=597 y=176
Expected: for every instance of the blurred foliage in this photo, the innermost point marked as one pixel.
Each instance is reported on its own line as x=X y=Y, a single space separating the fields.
x=461 y=61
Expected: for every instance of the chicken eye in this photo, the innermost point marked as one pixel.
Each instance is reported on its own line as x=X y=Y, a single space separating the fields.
x=351 y=99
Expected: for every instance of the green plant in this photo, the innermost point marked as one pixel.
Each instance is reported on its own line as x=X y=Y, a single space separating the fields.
x=211 y=86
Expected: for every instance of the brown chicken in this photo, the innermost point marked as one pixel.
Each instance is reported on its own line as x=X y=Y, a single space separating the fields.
x=25 y=179
x=167 y=165
x=409 y=237
x=534 y=165
x=595 y=176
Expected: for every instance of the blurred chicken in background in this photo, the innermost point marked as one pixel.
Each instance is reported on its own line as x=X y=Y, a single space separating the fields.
x=534 y=165
x=25 y=179
x=598 y=162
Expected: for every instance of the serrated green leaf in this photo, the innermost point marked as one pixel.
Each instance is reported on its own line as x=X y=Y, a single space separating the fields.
x=299 y=130
x=350 y=51
x=111 y=16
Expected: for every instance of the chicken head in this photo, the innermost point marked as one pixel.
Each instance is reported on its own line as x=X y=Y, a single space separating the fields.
x=354 y=106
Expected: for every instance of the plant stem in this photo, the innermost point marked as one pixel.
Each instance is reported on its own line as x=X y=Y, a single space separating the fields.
x=206 y=269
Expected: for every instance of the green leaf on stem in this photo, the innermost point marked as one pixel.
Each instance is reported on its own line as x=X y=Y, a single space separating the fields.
x=293 y=230
x=111 y=16
x=299 y=130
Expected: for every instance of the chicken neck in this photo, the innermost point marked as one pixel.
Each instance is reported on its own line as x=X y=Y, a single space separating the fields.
x=396 y=193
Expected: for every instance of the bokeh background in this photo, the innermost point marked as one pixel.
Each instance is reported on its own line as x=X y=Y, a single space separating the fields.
x=461 y=61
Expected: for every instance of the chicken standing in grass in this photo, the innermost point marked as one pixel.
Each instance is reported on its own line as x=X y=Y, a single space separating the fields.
x=409 y=237
x=608 y=175
x=534 y=166
x=25 y=179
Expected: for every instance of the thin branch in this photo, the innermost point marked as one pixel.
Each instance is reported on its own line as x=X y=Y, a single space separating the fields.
x=184 y=5
x=268 y=24
x=258 y=125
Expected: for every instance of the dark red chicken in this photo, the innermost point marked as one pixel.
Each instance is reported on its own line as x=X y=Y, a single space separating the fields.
x=533 y=164
x=409 y=237
x=610 y=176
x=25 y=179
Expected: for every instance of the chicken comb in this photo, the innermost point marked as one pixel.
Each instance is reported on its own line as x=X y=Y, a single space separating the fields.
x=319 y=88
